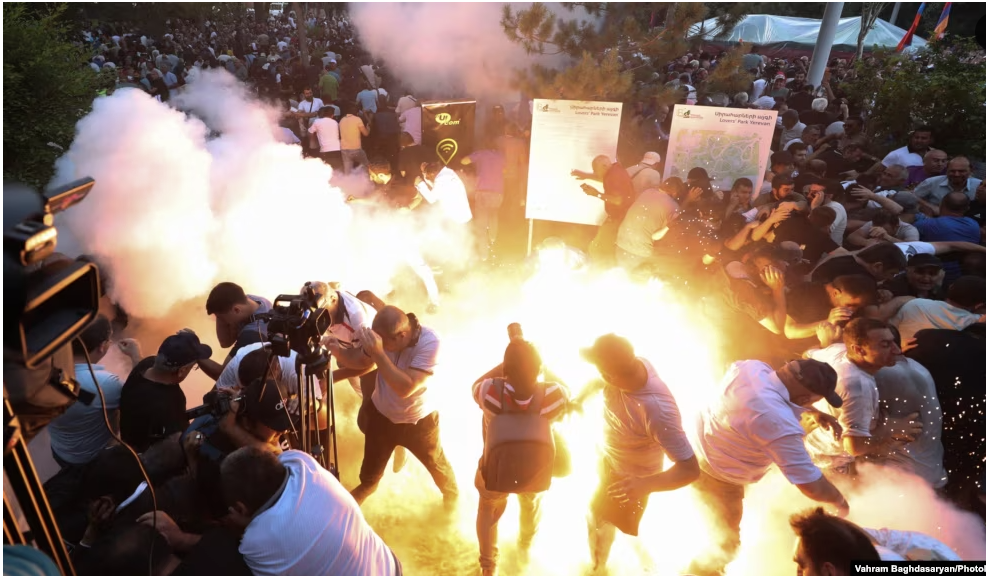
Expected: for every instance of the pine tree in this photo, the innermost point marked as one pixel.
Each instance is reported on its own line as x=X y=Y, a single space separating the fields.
x=620 y=51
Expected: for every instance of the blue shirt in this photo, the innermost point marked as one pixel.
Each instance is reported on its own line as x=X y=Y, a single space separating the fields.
x=948 y=229
x=80 y=433
x=368 y=100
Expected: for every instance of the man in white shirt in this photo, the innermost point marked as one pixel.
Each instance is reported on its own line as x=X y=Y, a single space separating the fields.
x=400 y=410
x=907 y=388
x=326 y=129
x=442 y=185
x=642 y=424
x=964 y=306
x=646 y=222
x=869 y=345
x=410 y=121
x=918 y=143
x=405 y=103
x=752 y=424
x=307 y=111
x=957 y=178
x=297 y=518
x=645 y=174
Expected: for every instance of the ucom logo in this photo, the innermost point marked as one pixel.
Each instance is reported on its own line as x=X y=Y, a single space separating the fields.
x=445 y=119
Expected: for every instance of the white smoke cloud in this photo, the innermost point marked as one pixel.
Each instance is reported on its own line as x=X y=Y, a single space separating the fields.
x=177 y=209
x=448 y=48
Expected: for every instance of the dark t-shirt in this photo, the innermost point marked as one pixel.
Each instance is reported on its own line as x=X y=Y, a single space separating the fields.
x=811 y=118
x=899 y=286
x=957 y=362
x=838 y=266
x=800 y=101
x=836 y=164
x=808 y=302
x=385 y=123
x=799 y=230
x=216 y=553
x=149 y=411
x=409 y=161
x=977 y=211
x=617 y=182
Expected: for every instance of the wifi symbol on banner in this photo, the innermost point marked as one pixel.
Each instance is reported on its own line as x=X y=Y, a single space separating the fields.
x=446 y=150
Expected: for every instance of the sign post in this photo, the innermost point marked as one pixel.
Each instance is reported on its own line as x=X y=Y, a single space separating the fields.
x=448 y=129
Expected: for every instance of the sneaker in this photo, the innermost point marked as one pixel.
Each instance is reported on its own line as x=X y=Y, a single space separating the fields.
x=400 y=458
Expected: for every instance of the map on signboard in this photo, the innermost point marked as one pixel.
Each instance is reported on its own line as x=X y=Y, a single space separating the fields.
x=724 y=156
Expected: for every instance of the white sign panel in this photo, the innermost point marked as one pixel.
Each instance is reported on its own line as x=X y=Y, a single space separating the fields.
x=730 y=143
x=566 y=135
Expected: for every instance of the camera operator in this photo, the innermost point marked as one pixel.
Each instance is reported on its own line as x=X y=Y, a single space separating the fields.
x=255 y=416
x=249 y=364
x=236 y=321
x=152 y=404
x=297 y=518
x=350 y=316
x=399 y=410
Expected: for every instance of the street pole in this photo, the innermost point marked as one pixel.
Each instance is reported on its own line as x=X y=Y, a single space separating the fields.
x=893 y=15
x=823 y=46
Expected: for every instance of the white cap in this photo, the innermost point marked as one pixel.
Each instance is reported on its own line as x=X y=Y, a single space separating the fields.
x=651 y=159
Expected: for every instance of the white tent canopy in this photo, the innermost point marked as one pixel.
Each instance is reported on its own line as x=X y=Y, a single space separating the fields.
x=783 y=32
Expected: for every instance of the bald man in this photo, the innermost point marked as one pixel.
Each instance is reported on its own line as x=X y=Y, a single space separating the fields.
x=400 y=411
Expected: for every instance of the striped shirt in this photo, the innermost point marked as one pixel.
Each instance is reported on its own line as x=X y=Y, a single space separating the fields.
x=486 y=393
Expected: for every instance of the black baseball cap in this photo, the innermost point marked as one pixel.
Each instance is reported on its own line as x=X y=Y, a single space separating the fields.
x=609 y=349
x=183 y=348
x=924 y=260
x=264 y=404
x=819 y=378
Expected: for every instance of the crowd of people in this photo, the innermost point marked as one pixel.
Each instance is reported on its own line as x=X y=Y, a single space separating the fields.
x=849 y=291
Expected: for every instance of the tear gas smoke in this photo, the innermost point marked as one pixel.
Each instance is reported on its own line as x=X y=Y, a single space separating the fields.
x=174 y=211
x=448 y=49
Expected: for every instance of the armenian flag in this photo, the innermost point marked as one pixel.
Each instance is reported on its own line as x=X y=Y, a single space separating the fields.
x=942 y=21
x=906 y=40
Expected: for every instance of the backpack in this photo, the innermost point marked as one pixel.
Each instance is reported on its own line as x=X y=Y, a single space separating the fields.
x=520 y=450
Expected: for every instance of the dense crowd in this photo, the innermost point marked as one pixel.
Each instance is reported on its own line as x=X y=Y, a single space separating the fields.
x=849 y=291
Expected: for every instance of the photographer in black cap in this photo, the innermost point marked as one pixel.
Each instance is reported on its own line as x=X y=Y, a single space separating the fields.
x=152 y=404
x=255 y=417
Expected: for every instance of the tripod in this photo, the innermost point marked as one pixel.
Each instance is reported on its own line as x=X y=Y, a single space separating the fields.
x=306 y=436
x=30 y=494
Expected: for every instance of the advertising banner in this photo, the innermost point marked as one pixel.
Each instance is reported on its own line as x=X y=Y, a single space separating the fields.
x=730 y=143
x=566 y=135
x=449 y=129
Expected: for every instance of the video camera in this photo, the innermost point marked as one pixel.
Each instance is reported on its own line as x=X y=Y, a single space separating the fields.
x=297 y=322
x=48 y=301
x=215 y=403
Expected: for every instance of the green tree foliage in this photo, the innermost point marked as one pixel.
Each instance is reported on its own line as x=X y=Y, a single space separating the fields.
x=47 y=87
x=611 y=54
x=943 y=89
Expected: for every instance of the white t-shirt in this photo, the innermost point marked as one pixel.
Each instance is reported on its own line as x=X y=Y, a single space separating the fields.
x=422 y=357
x=642 y=426
x=230 y=377
x=750 y=425
x=450 y=194
x=411 y=123
x=327 y=132
x=920 y=314
x=758 y=87
x=405 y=103
x=859 y=414
x=286 y=136
x=911 y=248
x=838 y=230
x=903 y=157
x=906 y=388
x=314 y=528
x=905 y=232
x=281 y=46
x=358 y=315
x=310 y=107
